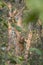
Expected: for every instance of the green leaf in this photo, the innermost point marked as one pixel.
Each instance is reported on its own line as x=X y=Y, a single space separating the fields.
x=21 y=58
x=31 y=16
x=19 y=28
x=5 y=24
x=36 y=50
x=2 y=4
x=12 y=61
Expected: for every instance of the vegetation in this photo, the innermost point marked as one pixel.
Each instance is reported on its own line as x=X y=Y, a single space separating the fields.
x=21 y=32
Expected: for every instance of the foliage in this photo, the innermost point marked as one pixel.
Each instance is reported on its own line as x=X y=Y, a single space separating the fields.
x=35 y=50
x=36 y=5
x=31 y=14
